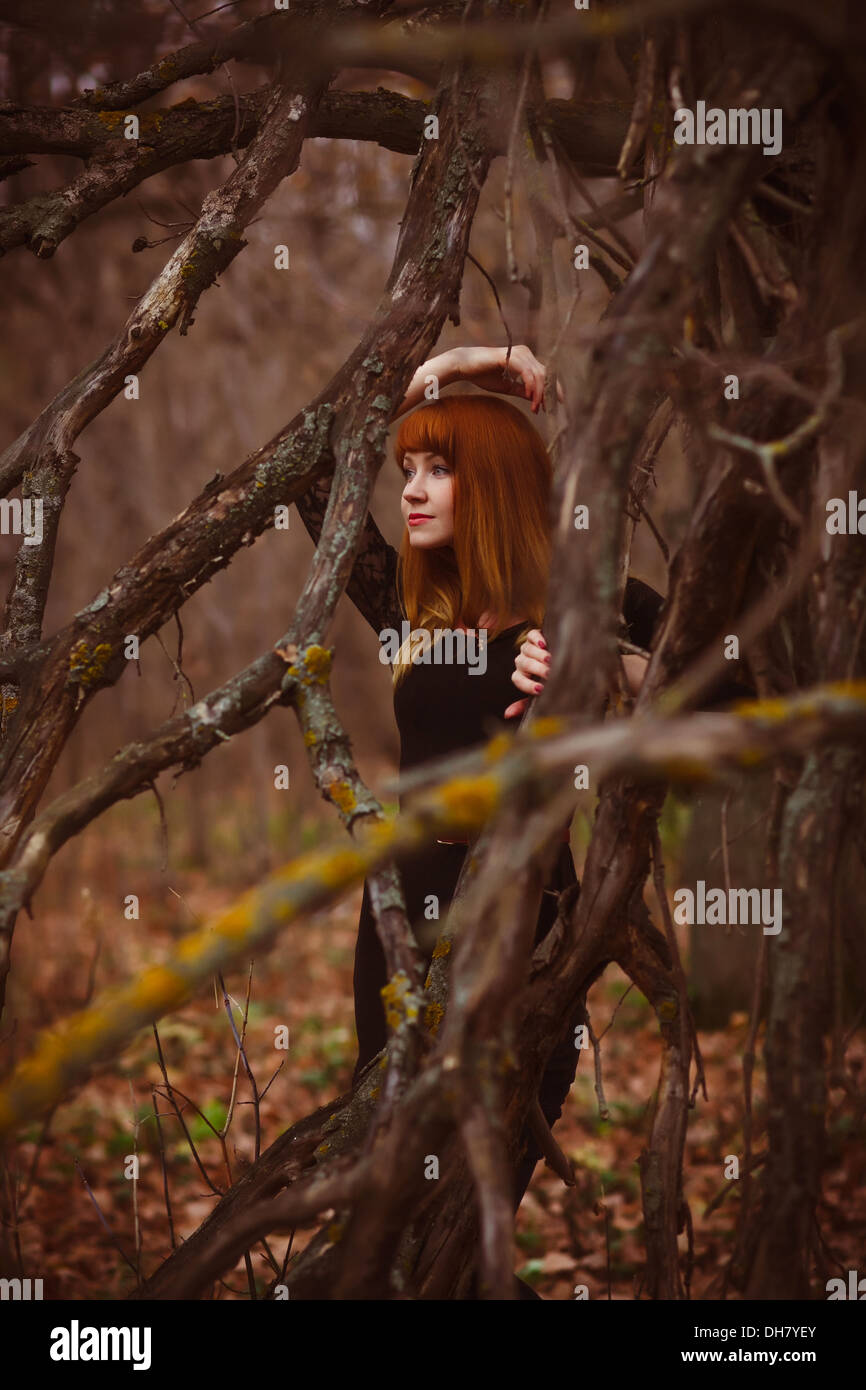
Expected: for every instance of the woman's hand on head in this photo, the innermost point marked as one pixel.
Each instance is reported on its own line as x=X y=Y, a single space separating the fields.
x=522 y=375
x=531 y=666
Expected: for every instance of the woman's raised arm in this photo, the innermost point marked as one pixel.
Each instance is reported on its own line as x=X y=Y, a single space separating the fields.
x=491 y=368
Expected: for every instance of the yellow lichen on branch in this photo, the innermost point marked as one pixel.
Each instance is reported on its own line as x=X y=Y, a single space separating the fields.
x=342 y=796
x=314 y=667
x=470 y=800
x=63 y=1057
x=399 y=1000
x=433 y=1015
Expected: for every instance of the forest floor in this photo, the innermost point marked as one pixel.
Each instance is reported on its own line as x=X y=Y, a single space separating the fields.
x=589 y=1236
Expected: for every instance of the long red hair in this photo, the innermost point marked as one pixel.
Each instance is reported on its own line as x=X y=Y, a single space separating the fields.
x=501 y=550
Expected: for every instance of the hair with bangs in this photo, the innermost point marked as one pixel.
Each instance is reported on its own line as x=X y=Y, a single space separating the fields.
x=501 y=552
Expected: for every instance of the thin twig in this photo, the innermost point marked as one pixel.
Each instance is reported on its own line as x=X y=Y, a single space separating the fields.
x=732 y=839
x=492 y=283
x=768 y=453
x=659 y=538
x=179 y=673
x=775 y=195
x=272 y=1080
x=581 y=226
x=164 y=1167
x=112 y=1237
x=619 y=1004
x=170 y=1094
x=239 y=1039
x=135 y=1216
x=727 y=1187
x=603 y=1110
x=163 y=823
x=34 y=1162
x=600 y=215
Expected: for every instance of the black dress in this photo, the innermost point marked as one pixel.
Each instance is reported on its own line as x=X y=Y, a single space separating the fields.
x=439 y=710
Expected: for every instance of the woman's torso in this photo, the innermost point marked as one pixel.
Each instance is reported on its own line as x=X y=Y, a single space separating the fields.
x=446 y=706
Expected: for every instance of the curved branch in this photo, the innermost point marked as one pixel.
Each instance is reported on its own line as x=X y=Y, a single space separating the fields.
x=590 y=131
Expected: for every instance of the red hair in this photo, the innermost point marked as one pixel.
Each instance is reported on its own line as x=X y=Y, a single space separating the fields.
x=501 y=550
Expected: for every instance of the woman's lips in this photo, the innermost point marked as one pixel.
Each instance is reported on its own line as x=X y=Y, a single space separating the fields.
x=415 y=518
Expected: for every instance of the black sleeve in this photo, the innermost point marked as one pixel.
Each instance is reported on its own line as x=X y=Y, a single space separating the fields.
x=641 y=608
x=640 y=612
x=373 y=583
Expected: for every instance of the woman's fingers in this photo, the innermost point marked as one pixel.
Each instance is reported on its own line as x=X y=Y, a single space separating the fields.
x=530 y=685
x=523 y=364
x=532 y=664
x=533 y=659
x=527 y=381
x=517 y=372
x=533 y=379
x=517 y=708
x=538 y=389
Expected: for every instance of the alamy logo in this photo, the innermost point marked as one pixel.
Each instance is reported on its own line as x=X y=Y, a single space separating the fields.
x=76 y=1343
x=444 y=646
x=856 y=1288
x=740 y=125
x=846 y=519
x=23 y=1289
x=739 y=906
x=22 y=518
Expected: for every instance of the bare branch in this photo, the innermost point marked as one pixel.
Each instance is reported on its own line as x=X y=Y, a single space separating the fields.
x=768 y=453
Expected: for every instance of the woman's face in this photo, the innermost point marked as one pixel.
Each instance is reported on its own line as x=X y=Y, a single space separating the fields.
x=427 y=503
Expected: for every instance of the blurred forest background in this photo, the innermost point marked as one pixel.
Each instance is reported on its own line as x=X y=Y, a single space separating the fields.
x=262 y=345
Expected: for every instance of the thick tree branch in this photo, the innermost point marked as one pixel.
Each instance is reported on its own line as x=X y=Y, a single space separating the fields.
x=591 y=132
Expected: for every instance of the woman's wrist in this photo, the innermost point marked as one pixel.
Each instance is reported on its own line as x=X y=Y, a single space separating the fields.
x=447 y=366
x=444 y=367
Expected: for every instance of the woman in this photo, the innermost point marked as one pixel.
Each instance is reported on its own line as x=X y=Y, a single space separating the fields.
x=475 y=555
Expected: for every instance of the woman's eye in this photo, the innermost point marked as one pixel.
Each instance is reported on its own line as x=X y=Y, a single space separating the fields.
x=441 y=468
